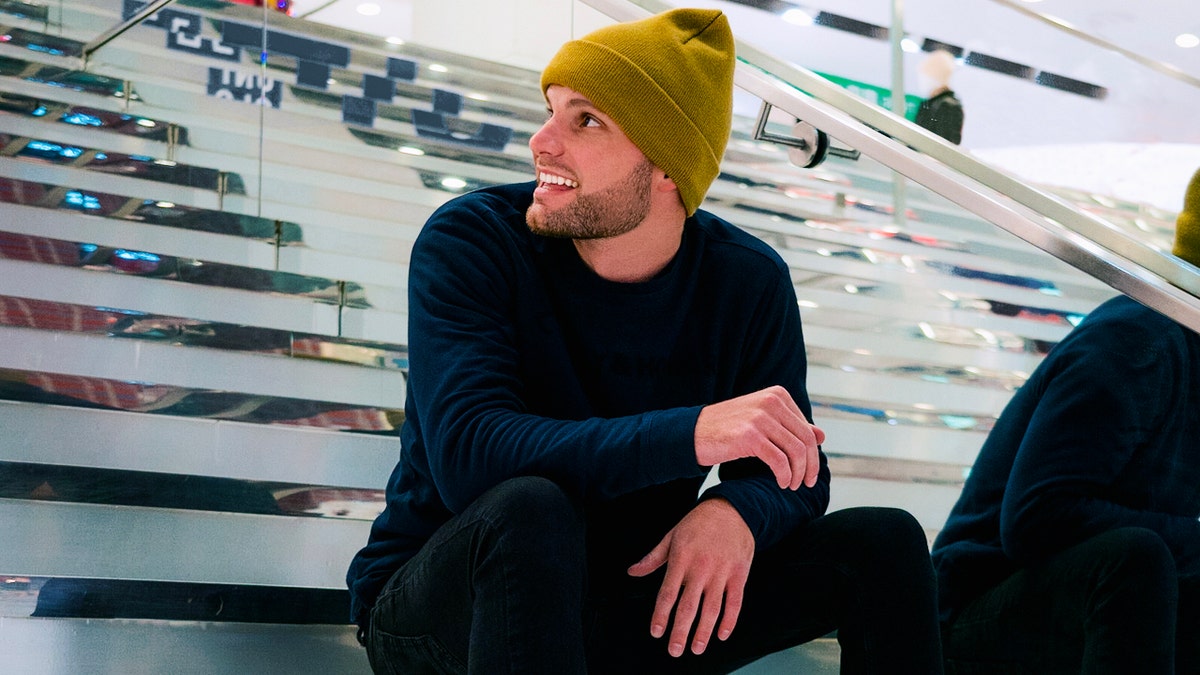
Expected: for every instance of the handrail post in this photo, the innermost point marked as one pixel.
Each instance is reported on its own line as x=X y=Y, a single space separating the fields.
x=117 y=30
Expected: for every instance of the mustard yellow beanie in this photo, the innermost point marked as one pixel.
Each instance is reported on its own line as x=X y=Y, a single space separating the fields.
x=1187 y=225
x=667 y=81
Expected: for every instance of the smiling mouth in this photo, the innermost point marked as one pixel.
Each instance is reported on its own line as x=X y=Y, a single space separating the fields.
x=545 y=179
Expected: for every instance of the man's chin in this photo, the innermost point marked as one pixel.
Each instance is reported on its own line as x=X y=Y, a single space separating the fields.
x=540 y=222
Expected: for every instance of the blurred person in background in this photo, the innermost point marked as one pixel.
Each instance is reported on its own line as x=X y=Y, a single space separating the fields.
x=941 y=112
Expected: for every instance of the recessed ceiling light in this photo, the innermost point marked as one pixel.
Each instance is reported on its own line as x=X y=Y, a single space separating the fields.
x=410 y=150
x=438 y=68
x=452 y=183
x=393 y=40
x=477 y=96
x=910 y=45
x=368 y=9
x=1187 y=40
x=798 y=17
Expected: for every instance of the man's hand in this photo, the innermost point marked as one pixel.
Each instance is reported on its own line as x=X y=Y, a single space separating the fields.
x=708 y=556
x=766 y=424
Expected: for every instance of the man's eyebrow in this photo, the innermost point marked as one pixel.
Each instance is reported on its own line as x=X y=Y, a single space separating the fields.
x=579 y=102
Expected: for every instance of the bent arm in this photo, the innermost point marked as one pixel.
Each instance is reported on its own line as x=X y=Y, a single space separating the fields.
x=775 y=357
x=467 y=282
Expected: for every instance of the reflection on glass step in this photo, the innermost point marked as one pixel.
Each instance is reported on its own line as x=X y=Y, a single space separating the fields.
x=41 y=42
x=896 y=469
x=143 y=167
x=148 y=264
x=151 y=211
x=416 y=145
x=25 y=10
x=123 y=323
x=827 y=407
x=160 y=399
x=90 y=485
x=907 y=366
x=64 y=78
x=60 y=597
x=105 y=120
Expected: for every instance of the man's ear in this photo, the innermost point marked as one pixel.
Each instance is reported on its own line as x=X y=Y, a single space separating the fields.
x=663 y=182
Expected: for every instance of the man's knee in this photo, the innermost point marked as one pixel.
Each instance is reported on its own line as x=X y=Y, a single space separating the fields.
x=533 y=509
x=885 y=532
x=1133 y=555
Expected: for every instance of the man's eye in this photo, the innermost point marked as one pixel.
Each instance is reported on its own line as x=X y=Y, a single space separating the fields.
x=589 y=121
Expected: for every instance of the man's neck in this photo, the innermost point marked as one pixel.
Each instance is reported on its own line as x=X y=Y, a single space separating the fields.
x=637 y=255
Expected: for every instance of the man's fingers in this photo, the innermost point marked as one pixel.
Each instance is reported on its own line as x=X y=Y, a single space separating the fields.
x=685 y=615
x=779 y=462
x=708 y=619
x=785 y=441
x=668 y=593
x=733 y=607
x=800 y=441
x=813 y=466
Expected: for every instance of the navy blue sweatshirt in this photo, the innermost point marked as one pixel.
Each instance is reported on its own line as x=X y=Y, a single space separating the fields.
x=522 y=361
x=1104 y=434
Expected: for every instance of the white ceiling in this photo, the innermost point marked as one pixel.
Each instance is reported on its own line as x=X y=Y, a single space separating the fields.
x=1141 y=142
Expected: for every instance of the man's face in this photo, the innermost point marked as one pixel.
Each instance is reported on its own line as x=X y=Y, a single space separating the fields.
x=593 y=182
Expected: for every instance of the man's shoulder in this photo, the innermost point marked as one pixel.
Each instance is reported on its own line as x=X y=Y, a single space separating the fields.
x=732 y=244
x=483 y=214
x=1128 y=314
x=1122 y=324
x=497 y=202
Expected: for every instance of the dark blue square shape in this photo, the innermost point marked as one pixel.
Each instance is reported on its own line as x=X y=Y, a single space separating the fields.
x=357 y=110
x=312 y=74
x=447 y=102
x=401 y=69
x=378 y=88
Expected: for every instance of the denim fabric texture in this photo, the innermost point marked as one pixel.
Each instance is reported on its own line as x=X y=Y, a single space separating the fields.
x=1109 y=605
x=503 y=588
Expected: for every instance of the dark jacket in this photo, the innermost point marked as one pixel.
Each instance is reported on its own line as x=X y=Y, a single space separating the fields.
x=943 y=115
x=1105 y=434
x=524 y=362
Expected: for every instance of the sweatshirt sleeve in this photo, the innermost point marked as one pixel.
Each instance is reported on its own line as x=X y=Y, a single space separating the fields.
x=774 y=356
x=468 y=273
x=1090 y=447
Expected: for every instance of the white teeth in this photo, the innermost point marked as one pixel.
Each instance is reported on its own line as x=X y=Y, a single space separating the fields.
x=556 y=180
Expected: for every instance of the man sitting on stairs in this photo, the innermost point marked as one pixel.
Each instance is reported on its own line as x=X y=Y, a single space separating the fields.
x=583 y=349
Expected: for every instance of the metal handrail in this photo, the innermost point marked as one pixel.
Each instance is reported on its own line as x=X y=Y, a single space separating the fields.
x=1082 y=240
x=1058 y=24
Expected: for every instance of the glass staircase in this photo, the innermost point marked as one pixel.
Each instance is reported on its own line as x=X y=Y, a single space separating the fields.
x=203 y=262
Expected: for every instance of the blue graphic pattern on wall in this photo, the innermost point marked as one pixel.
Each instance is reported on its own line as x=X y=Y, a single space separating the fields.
x=315 y=60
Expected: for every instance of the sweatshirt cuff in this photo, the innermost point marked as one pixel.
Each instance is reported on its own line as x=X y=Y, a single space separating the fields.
x=668 y=444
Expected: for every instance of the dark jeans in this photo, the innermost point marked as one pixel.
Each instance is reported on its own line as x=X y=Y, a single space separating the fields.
x=1111 y=604
x=502 y=588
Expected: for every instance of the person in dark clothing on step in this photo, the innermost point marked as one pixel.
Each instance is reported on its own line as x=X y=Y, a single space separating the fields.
x=583 y=349
x=1075 y=545
x=942 y=112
